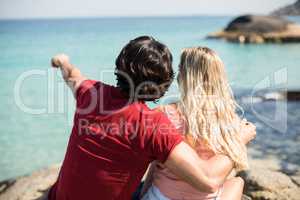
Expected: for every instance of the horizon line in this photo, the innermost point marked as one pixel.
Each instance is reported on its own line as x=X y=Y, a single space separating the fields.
x=121 y=16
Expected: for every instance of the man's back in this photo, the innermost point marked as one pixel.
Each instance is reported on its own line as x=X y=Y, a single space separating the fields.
x=111 y=145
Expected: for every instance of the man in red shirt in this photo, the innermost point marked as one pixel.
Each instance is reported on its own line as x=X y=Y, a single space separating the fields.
x=115 y=135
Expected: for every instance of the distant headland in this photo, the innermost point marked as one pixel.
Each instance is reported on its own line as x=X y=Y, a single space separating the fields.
x=293 y=9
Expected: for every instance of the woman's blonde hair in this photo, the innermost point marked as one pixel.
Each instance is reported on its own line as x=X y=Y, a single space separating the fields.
x=208 y=106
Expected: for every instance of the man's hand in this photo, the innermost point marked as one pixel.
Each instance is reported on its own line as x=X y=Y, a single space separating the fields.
x=70 y=73
x=248 y=131
x=60 y=60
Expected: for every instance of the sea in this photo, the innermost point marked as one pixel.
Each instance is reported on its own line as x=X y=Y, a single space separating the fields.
x=36 y=108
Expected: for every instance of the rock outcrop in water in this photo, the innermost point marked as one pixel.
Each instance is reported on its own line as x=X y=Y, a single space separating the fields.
x=293 y=9
x=259 y=29
x=292 y=95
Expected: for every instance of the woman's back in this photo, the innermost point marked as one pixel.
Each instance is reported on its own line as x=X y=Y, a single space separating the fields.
x=168 y=183
x=206 y=114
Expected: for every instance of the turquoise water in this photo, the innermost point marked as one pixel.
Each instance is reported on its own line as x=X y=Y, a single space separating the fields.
x=30 y=141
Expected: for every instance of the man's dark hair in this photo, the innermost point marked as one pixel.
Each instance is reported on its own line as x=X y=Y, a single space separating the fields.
x=144 y=69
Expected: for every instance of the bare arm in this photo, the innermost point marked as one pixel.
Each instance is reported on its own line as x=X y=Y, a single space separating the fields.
x=186 y=164
x=70 y=73
x=204 y=175
x=218 y=167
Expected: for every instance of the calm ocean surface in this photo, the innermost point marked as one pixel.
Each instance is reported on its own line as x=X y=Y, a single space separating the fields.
x=30 y=141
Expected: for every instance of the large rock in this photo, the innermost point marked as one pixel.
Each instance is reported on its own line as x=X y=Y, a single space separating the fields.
x=293 y=9
x=259 y=29
x=32 y=187
x=257 y=24
x=265 y=182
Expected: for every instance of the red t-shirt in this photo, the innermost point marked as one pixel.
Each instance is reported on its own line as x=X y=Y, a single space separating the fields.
x=111 y=145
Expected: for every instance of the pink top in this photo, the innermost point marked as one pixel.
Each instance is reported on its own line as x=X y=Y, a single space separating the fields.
x=168 y=183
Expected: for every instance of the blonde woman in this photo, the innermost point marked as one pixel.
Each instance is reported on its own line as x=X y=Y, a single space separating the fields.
x=206 y=115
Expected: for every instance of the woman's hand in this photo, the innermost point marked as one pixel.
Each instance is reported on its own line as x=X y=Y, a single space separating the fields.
x=248 y=131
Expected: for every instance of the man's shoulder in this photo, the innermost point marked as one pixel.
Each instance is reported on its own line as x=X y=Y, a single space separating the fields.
x=157 y=115
x=103 y=88
x=143 y=112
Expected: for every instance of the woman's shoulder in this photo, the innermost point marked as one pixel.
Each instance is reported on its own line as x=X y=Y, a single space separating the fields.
x=170 y=110
x=167 y=107
x=172 y=113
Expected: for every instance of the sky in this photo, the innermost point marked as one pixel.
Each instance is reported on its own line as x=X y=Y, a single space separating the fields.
x=20 y=9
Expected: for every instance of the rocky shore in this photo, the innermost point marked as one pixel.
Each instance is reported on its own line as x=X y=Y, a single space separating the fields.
x=265 y=181
x=31 y=187
x=274 y=165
